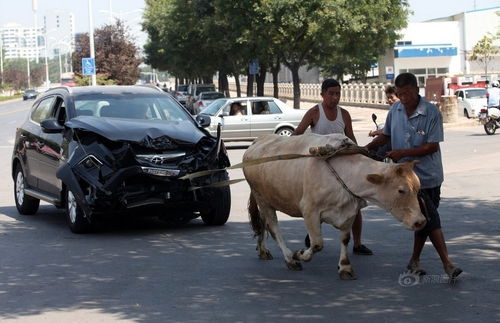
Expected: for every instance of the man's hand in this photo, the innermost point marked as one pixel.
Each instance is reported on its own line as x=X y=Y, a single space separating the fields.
x=397 y=154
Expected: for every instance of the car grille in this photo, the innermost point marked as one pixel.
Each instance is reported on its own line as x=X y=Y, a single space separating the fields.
x=160 y=159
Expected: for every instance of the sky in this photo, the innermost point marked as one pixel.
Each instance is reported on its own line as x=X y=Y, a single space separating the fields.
x=20 y=11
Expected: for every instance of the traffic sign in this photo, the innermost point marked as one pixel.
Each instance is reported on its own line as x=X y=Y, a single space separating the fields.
x=253 y=68
x=88 y=66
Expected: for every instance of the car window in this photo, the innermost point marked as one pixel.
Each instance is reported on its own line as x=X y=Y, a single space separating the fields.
x=211 y=96
x=242 y=110
x=475 y=94
x=214 y=107
x=460 y=94
x=261 y=107
x=273 y=108
x=43 y=111
x=145 y=107
x=200 y=89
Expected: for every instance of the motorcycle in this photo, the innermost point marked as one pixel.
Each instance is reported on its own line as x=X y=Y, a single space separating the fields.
x=380 y=152
x=490 y=119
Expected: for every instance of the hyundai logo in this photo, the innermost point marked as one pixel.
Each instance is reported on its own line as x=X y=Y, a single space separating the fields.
x=157 y=160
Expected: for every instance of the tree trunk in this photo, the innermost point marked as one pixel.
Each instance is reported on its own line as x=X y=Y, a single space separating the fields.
x=261 y=79
x=275 y=71
x=249 y=84
x=238 y=85
x=294 y=68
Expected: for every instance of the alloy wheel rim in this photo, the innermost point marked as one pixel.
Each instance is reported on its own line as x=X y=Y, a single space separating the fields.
x=20 y=188
x=285 y=133
x=71 y=207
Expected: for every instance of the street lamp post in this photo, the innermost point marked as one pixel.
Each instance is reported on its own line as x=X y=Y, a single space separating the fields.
x=1 y=60
x=91 y=41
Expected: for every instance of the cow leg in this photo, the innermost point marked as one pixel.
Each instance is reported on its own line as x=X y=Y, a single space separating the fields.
x=272 y=226
x=345 y=268
x=313 y=226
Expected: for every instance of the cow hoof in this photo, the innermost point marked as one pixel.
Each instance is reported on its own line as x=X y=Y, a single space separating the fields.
x=265 y=255
x=297 y=254
x=347 y=275
x=294 y=265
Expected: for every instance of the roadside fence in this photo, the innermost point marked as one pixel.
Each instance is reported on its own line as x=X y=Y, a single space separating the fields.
x=370 y=95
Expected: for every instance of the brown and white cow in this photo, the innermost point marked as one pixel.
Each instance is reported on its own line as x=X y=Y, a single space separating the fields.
x=307 y=188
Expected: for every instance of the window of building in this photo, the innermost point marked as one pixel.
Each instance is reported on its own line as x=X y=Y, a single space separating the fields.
x=442 y=70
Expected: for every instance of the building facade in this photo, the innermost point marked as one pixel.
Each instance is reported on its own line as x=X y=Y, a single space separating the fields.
x=442 y=47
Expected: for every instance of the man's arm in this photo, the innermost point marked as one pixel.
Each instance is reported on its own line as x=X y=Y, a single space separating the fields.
x=378 y=141
x=348 y=125
x=306 y=121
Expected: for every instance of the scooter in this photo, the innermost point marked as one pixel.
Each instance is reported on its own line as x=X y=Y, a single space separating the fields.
x=490 y=119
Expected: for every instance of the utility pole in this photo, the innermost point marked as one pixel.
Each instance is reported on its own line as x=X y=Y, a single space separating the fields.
x=91 y=41
x=34 y=5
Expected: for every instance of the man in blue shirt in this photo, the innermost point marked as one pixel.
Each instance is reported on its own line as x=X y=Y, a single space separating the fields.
x=415 y=129
x=493 y=95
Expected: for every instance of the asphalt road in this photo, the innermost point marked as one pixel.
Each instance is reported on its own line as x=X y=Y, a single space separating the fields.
x=138 y=270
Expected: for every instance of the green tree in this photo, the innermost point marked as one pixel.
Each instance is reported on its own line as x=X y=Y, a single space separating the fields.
x=116 y=55
x=484 y=51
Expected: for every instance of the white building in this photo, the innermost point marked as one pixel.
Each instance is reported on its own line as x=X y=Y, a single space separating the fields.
x=18 y=41
x=443 y=47
x=57 y=31
x=60 y=31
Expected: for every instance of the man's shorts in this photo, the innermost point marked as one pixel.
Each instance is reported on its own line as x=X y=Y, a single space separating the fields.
x=428 y=199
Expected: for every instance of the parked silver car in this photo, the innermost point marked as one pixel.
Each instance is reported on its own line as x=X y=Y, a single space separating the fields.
x=259 y=116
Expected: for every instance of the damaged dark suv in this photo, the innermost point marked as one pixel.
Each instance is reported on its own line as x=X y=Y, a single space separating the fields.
x=99 y=151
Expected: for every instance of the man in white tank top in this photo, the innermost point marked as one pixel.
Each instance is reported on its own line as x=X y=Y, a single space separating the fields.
x=327 y=118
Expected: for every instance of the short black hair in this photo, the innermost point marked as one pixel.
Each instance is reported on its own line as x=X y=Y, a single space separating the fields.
x=405 y=79
x=328 y=83
x=390 y=89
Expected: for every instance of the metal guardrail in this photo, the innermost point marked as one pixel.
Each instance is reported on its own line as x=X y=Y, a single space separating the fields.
x=356 y=94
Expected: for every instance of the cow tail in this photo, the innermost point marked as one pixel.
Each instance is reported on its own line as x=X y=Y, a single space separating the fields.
x=256 y=221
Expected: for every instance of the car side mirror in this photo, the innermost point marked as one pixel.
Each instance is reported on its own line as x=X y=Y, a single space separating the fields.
x=203 y=120
x=51 y=126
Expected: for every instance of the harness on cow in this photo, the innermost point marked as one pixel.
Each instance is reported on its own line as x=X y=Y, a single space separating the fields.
x=322 y=152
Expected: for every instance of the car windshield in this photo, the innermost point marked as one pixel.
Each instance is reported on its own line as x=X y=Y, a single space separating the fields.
x=211 y=95
x=214 y=107
x=475 y=94
x=136 y=106
x=182 y=88
x=207 y=88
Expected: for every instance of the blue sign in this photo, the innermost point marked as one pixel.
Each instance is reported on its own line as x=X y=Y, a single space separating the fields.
x=88 y=66
x=389 y=76
x=425 y=52
x=253 y=68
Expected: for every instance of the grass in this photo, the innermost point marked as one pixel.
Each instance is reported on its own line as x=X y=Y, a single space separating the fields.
x=10 y=97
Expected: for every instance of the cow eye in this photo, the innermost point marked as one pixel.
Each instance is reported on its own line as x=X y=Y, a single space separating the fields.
x=401 y=191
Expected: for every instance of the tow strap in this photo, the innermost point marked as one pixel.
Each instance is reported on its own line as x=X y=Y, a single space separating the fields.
x=323 y=152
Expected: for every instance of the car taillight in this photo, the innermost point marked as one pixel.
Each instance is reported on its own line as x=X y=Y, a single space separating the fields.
x=200 y=104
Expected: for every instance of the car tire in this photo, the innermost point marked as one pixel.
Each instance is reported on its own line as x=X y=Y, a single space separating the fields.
x=466 y=114
x=25 y=204
x=490 y=127
x=220 y=206
x=74 y=214
x=284 y=131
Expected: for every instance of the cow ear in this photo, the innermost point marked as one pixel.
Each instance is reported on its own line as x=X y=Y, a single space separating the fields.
x=376 y=179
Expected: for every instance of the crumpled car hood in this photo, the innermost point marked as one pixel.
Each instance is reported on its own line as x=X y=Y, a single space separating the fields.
x=139 y=131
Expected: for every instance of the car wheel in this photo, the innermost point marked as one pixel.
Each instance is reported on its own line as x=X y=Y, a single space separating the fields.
x=76 y=220
x=285 y=131
x=466 y=114
x=490 y=127
x=25 y=204
x=220 y=206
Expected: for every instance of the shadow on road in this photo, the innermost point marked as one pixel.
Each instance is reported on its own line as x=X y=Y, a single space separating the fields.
x=144 y=272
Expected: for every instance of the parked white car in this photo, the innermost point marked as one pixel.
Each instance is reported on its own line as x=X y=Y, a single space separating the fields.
x=259 y=116
x=471 y=101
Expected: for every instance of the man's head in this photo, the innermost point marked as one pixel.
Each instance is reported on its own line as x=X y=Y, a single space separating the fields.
x=391 y=95
x=407 y=90
x=330 y=92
